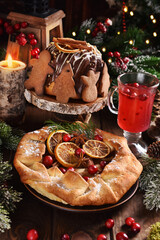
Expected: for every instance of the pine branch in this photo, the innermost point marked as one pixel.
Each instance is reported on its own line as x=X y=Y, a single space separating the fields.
x=4 y=219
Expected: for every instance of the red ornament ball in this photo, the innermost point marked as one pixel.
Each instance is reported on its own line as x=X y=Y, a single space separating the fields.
x=101 y=237
x=92 y=169
x=65 y=237
x=129 y=220
x=37 y=49
x=121 y=236
x=117 y=54
x=22 y=41
x=135 y=227
x=33 y=41
x=109 y=223
x=9 y=29
x=34 y=53
x=17 y=26
x=110 y=54
x=32 y=235
x=47 y=161
x=24 y=24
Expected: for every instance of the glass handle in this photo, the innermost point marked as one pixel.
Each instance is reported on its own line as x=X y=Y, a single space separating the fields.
x=110 y=103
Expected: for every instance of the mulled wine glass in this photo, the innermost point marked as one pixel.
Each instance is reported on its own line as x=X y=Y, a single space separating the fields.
x=136 y=92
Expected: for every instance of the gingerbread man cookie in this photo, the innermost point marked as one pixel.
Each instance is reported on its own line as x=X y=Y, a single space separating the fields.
x=39 y=72
x=64 y=85
x=90 y=93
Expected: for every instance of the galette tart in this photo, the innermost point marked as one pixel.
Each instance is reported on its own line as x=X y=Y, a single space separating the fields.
x=101 y=169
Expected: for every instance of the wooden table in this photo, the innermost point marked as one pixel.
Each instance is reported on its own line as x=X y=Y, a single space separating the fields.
x=52 y=222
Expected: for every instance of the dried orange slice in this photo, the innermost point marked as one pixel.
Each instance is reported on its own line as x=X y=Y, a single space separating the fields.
x=65 y=154
x=96 y=149
x=53 y=139
x=65 y=50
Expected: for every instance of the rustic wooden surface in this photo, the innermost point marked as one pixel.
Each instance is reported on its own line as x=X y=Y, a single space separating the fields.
x=51 y=222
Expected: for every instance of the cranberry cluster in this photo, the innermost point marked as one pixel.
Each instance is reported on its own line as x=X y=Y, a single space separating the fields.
x=101 y=27
x=21 y=37
x=120 y=62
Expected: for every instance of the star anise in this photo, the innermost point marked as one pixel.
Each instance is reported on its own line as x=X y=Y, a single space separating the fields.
x=79 y=139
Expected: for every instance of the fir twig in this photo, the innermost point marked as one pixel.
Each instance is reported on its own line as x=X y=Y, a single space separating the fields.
x=4 y=219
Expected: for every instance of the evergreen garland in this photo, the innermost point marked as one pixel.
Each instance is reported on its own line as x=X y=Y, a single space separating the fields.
x=9 y=139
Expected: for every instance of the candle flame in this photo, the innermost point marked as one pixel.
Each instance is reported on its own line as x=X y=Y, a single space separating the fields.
x=9 y=61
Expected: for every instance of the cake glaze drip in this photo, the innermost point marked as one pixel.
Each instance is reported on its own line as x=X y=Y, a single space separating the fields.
x=81 y=62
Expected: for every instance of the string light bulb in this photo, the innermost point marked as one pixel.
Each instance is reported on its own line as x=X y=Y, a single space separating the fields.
x=131 y=13
x=118 y=33
x=88 y=31
x=109 y=60
x=103 y=49
x=131 y=42
x=125 y=9
x=151 y=17
x=154 y=34
x=154 y=20
x=73 y=34
x=147 y=41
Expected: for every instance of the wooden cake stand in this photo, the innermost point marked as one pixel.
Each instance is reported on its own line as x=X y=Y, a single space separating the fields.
x=76 y=108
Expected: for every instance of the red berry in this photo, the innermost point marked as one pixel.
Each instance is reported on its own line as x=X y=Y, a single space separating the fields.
x=121 y=236
x=6 y=24
x=9 y=30
x=92 y=169
x=86 y=178
x=110 y=54
x=108 y=22
x=143 y=97
x=98 y=137
x=32 y=234
x=66 y=138
x=135 y=227
x=22 y=35
x=103 y=164
x=126 y=60
x=17 y=26
x=24 y=24
x=1 y=21
x=101 y=237
x=31 y=36
x=71 y=169
x=33 y=41
x=63 y=170
x=129 y=221
x=135 y=85
x=109 y=223
x=117 y=54
x=99 y=24
x=47 y=161
x=37 y=49
x=22 y=41
x=65 y=237
x=34 y=52
x=79 y=152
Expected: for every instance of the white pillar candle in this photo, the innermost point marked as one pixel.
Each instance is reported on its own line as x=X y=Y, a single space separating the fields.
x=12 y=101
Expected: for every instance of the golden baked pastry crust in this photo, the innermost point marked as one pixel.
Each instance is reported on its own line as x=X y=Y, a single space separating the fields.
x=108 y=187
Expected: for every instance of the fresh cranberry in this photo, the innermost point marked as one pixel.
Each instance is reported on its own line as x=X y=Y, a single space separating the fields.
x=24 y=24
x=143 y=97
x=9 y=30
x=33 y=41
x=101 y=237
x=136 y=85
x=129 y=221
x=79 y=152
x=121 y=236
x=32 y=234
x=71 y=169
x=135 y=227
x=47 y=161
x=117 y=54
x=98 y=137
x=126 y=60
x=17 y=26
x=65 y=237
x=103 y=164
x=66 y=138
x=37 y=49
x=110 y=54
x=109 y=223
x=31 y=36
x=86 y=178
x=92 y=169
x=63 y=170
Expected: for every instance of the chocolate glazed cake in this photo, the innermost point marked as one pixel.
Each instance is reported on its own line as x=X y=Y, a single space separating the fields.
x=86 y=70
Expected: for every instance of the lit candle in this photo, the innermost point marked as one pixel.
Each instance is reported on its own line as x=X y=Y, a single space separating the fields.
x=12 y=101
